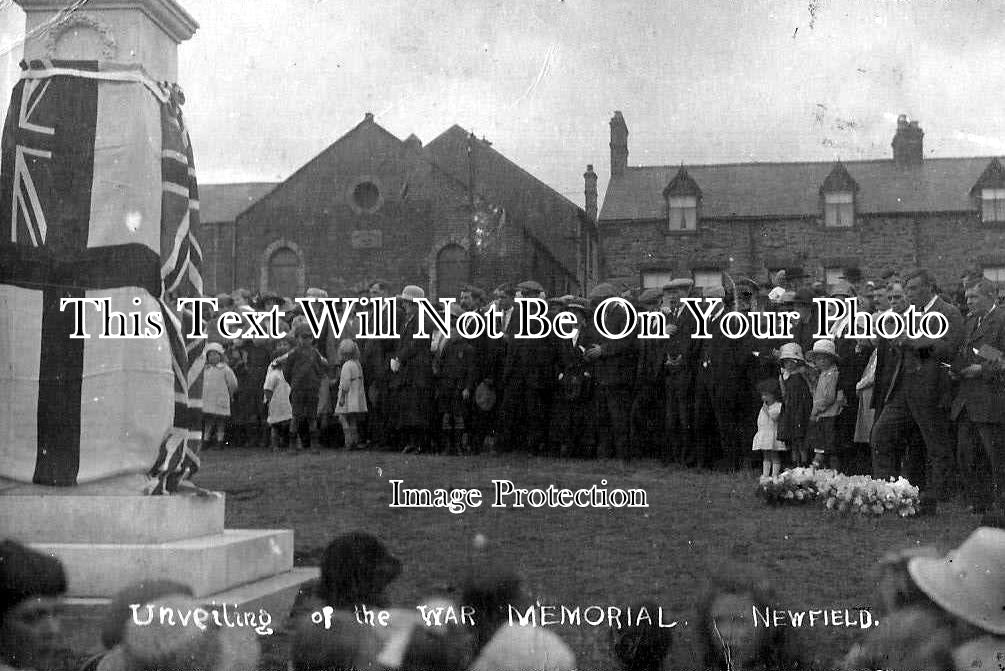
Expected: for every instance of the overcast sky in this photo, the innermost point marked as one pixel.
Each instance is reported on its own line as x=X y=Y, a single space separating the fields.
x=271 y=83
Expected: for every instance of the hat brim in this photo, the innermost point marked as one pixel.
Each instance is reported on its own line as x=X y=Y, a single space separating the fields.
x=800 y=359
x=818 y=353
x=940 y=579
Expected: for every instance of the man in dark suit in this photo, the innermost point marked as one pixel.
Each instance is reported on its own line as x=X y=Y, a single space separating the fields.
x=979 y=405
x=918 y=395
x=721 y=392
x=529 y=371
x=614 y=373
x=647 y=406
x=679 y=373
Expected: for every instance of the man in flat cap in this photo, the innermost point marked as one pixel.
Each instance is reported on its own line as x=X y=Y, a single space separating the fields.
x=721 y=389
x=648 y=406
x=528 y=374
x=614 y=361
x=678 y=373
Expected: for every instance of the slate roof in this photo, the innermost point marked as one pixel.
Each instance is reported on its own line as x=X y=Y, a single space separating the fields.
x=502 y=181
x=223 y=202
x=793 y=189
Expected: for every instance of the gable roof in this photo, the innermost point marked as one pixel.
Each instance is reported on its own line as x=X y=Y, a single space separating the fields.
x=367 y=123
x=449 y=152
x=839 y=180
x=502 y=181
x=793 y=189
x=682 y=185
x=223 y=202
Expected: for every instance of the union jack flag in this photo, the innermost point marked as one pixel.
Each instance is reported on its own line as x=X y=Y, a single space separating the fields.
x=98 y=183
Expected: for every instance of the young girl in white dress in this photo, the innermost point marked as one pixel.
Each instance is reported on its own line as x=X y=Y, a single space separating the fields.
x=765 y=440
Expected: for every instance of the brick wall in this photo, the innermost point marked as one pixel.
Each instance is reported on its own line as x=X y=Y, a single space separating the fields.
x=422 y=209
x=945 y=243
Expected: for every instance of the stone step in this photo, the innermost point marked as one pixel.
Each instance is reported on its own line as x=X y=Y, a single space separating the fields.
x=209 y=564
x=109 y=519
x=83 y=617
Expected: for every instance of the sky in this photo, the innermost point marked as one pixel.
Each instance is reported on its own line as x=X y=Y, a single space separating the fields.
x=271 y=83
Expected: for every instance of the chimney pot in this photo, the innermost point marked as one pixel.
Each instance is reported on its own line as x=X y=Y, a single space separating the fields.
x=619 y=144
x=368 y=116
x=908 y=142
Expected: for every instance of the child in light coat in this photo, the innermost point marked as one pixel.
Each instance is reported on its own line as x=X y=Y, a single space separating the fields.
x=277 y=398
x=351 y=404
x=828 y=402
x=765 y=440
x=218 y=386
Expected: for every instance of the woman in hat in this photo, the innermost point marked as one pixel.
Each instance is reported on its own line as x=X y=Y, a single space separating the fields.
x=411 y=378
x=968 y=585
x=828 y=402
x=455 y=372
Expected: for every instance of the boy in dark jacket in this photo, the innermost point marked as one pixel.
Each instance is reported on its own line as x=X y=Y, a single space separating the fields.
x=303 y=370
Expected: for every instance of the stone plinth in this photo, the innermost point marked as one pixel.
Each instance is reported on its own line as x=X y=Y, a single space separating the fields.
x=147 y=32
x=208 y=564
x=109 y=519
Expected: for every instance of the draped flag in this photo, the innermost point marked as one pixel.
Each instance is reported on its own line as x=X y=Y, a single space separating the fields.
x=98 y=200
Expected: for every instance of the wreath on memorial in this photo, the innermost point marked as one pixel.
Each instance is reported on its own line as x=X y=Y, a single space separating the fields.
x=110 y=49
x=858 y=494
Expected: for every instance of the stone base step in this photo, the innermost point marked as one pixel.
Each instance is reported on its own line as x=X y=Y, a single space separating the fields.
x=109 y=519
x=209 y=564
x=82 y=617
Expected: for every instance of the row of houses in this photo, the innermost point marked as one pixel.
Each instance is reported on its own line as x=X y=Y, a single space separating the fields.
x=456 y=210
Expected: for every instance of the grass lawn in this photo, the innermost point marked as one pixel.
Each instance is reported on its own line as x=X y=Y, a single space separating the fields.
x=697 y=521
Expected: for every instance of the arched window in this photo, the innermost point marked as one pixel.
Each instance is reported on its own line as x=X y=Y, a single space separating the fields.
x=284 y=272
x=451 y=271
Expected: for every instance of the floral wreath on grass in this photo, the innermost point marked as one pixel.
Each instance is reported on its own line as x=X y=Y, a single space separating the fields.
x=844 y=493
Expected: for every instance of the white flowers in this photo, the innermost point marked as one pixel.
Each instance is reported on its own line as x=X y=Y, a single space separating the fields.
x=843 y=493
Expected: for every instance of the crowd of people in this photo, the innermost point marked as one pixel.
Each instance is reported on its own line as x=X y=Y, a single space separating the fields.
x=938 y=613
x=932 y=410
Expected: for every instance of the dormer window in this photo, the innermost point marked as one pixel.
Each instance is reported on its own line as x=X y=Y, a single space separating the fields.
x=839 y=209
x=989 y=193
x=993 y=205
x=683 y=213
x=838 y=195
x=683 y=198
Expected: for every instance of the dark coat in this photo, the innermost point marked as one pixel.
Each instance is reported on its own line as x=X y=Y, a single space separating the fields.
x=456 y=368
x=886 y=364
x=530 y=363
x=983 y=397
x=616 y=365
x=415 y=357
x=917 y=369
x=725 y=362
x=797 y=402
x=303 y=368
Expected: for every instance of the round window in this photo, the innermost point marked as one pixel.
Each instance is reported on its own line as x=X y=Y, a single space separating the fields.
x=366 y=196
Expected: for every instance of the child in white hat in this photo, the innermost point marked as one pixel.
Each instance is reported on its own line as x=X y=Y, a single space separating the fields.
x=828 y=402
x=218 y=386
x=797 y=402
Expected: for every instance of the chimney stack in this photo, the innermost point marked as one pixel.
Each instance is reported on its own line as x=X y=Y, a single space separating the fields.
x=908 y=145
x=590 y=181
x=619 y=144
